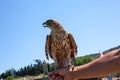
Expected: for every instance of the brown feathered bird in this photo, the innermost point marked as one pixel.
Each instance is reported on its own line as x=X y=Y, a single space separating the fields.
x=60 y=44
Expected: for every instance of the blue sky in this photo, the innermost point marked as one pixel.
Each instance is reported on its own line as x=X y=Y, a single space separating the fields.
x=95 y=25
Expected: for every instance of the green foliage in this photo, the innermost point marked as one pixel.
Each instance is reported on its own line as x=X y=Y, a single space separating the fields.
x=83 y=60
x=6 y=74
x=3 y=75
x=38 y=61
x=10 y=78
x=0 y=76
x=31 y=70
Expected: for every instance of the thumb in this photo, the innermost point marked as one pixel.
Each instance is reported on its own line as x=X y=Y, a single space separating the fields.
x=54 y=74
x=60 y=72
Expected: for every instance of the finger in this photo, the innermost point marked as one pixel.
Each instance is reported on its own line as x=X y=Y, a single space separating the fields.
x=51 y=76
x=55 y=77
x=59 y=78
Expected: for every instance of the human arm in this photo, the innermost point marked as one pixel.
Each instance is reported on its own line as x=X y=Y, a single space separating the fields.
x=108 y=64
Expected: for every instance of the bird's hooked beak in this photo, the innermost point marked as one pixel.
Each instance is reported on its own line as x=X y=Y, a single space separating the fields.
x=44 y=24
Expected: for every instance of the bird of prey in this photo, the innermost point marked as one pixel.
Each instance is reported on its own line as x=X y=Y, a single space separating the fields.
x=60 y=44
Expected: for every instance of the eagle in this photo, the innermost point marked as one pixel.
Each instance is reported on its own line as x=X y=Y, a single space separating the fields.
x=60 y=44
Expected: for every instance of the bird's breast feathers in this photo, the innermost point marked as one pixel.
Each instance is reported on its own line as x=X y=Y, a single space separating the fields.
x=59 y=41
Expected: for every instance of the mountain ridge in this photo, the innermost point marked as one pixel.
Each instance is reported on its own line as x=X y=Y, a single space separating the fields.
x=97 y=55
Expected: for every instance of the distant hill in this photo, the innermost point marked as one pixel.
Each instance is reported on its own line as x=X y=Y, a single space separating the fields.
x=97 y=55
x=106 y=51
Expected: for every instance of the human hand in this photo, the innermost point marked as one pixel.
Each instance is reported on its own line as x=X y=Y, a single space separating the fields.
x=61 y=74
x=53 y=76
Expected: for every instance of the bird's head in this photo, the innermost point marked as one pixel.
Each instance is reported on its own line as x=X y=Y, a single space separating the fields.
x=53 y=24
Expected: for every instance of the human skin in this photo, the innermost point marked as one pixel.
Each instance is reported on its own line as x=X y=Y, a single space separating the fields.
x=105 y=65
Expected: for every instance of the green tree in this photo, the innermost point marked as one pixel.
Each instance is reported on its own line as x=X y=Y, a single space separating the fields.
x=6 y=74
x=83 y=60
x=38 y=61
x=10 y=77
x=3 y=75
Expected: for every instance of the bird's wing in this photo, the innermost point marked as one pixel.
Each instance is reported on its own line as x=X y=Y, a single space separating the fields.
x=48 y=46
x=73 y=45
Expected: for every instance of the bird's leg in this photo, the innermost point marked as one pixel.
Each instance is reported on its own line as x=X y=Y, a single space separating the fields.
x=71 y=67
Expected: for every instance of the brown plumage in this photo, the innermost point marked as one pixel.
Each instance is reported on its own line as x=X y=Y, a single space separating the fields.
x=60 y=44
